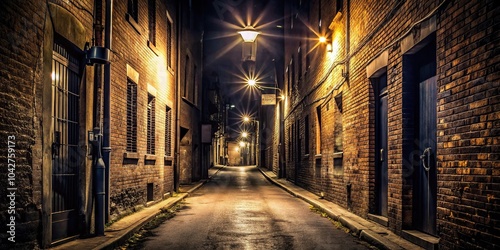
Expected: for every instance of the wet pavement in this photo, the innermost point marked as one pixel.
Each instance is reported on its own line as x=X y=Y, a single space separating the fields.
x=240 y=209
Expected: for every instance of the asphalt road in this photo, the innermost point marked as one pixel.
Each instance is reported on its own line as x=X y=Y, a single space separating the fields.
x=239 y=209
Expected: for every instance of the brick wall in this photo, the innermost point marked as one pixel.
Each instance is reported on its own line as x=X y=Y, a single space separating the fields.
x=129 y=176
x=22 y=77
x=468 y=125
x=466 y=39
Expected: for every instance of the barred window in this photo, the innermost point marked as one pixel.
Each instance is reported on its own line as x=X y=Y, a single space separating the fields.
x=152 y=21
x=185 y=91
x=168 y=132
x=306 y=135
x=318 y=130
x=131 y=116
x=151 y=125
x=169 y=43
x=132 y=9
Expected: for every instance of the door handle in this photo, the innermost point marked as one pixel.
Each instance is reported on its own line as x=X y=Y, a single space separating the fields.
x=426 y=158
x=381 y=154
x=56 y=144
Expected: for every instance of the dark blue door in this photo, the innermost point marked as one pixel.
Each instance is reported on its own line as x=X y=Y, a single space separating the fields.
x=426 y=172
x=381 y=174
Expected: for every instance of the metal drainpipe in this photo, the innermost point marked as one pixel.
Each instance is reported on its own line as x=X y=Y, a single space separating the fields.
x=97 y=162
x=102 y=199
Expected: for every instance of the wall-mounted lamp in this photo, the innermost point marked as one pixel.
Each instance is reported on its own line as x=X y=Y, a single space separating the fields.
x=96 y=54
x=329 y=47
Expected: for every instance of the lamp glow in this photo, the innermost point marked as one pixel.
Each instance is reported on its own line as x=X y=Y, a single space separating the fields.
x=249 y=34
x=322 y=39
x=251 y=82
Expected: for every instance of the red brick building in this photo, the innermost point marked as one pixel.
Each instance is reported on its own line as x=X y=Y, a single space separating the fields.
x=395 y=116
x=53 y=97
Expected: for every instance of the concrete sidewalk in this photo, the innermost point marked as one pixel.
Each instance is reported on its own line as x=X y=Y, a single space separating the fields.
x=364 y=229
x=120 y=231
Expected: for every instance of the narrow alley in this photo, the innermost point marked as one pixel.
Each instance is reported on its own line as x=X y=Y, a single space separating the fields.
x=239 y=209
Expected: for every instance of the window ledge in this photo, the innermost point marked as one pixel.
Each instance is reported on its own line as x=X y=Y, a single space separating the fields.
x=338 y=155
x=153 y=48
x=134 y=24
x=131 y=155
x=318 y=156
x=149 y=157
x=171 y=70
x=305 y=156
x=168 y=161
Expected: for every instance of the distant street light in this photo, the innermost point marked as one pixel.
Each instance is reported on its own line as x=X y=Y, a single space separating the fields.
x=251 y=82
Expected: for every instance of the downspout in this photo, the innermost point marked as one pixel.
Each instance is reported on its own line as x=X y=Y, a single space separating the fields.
x=106 y=124
x=96 y=147
x=177 y=101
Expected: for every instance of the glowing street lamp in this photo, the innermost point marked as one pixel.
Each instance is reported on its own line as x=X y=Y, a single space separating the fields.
x=249 y=46
x=244 y=134
x=249 y=34
x=251 y=82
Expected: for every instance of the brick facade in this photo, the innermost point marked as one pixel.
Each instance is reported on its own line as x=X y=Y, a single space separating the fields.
x=29 y=85
x=370 y=41
x=137 y=59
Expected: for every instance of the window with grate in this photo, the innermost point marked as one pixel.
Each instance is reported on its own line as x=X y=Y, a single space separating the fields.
x=131 y=116
x=195 y=86
x=169 y=43
x=132 y=9
x=150 y=148
x=306 y=135
x=185 y=91
x=168 y=132
x=152 y=21
x=293 y=73
x=318 y=130
x=339 y=5
x=299 y=62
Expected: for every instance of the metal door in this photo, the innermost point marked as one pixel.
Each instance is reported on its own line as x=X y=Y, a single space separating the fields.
x=426 y=174
x=65 y=155
x=381 y=174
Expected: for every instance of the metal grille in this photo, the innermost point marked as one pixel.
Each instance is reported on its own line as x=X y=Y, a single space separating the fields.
x=168 y=132
x=151 y=125
x=132 y=9
x=169 y=43
x=152 y=20
x=65 y=154
x=131 y=116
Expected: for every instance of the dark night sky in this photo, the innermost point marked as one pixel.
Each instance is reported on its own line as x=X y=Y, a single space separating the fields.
x=222 y=48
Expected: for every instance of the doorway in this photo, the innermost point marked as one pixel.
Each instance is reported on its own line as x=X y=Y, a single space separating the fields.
x=420 y=67
x=66 y=157
x=381 y=133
